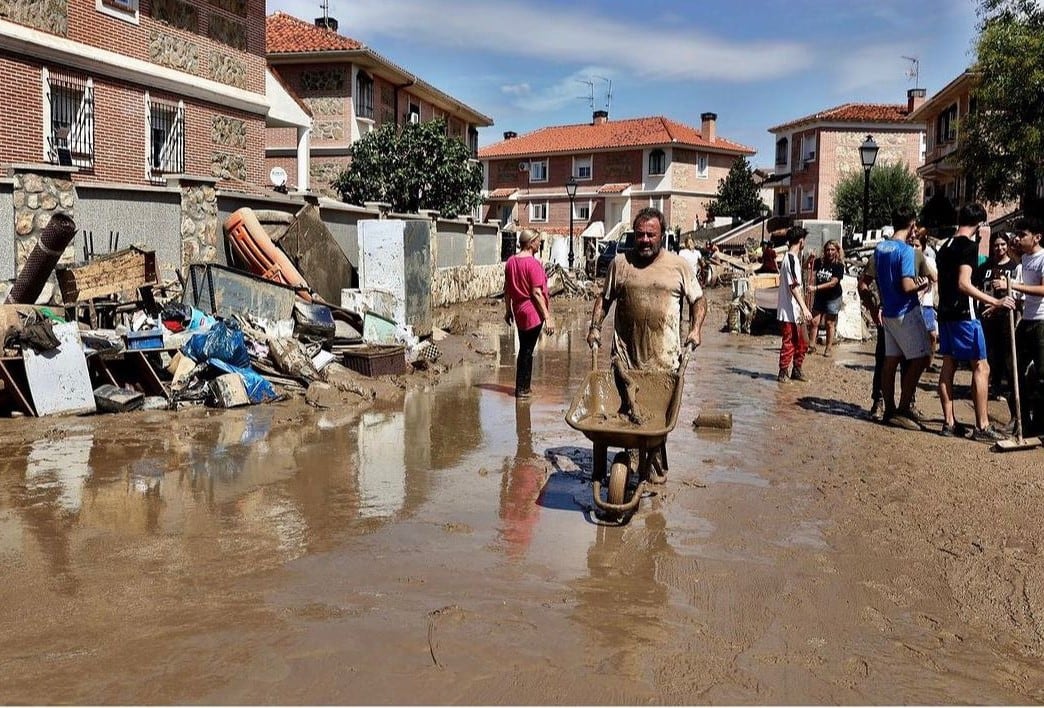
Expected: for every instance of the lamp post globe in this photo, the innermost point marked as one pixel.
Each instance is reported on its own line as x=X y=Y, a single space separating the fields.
x=867 y=156
x=571 y=191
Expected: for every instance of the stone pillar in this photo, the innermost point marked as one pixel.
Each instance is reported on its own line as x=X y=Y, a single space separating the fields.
x=40 y=191
x=200 y=229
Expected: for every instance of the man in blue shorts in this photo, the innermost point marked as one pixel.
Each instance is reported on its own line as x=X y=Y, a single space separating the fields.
x=960 y=332
x=902 y=326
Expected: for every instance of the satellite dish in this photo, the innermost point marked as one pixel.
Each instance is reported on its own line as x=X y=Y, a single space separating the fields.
x=278 y=176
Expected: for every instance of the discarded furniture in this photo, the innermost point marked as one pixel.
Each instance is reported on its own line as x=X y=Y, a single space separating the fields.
x=59 y=382
x=112 y=274
x=133 y=369
x=395 y=256
x=222 y=291
x=253 y=249
x=316 y=254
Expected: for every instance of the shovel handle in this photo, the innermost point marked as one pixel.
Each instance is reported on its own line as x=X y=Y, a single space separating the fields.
x=594 y=356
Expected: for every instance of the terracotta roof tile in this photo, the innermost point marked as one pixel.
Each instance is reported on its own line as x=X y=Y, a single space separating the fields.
x=853 y=113
x=613 y=187
x=286 y=34
x=502 y=193
x=631 y=132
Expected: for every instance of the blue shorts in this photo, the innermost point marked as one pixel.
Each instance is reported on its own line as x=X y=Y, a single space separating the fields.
x=929 y=318
x=962 y=340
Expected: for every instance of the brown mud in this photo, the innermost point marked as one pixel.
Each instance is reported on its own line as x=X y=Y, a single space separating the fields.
x=437 y=547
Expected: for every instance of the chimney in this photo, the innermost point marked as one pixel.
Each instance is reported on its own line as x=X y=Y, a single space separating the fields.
x=326 y=23
x=508 y=134
x=710 y=126
x=600 y=118
x=914 y=100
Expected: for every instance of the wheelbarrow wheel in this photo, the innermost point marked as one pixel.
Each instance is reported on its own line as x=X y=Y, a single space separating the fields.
x=618 y=474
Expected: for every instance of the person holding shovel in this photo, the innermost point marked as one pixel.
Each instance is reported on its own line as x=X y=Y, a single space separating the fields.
x=1029 y=335
x=792 y=311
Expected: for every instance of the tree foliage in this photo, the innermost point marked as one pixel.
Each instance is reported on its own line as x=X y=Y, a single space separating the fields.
x=417 y=166
x=891 y=186
x=1002 y=140
x=738 y=194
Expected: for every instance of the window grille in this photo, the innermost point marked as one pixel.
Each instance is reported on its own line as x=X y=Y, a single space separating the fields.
x=70 y=109
x=166 y=137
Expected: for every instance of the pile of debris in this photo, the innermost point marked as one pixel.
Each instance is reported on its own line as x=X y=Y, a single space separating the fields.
x=105 y=335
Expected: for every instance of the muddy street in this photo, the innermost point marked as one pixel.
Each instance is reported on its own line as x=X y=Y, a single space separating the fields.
x=441 y=550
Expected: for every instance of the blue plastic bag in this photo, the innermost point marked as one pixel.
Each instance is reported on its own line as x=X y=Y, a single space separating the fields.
x=223 y=341
x=258 y=388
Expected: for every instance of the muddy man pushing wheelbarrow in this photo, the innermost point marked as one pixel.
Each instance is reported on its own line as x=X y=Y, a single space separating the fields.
x=648 y=284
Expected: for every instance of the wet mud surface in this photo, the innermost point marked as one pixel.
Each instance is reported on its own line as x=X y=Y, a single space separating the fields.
x=440 y=549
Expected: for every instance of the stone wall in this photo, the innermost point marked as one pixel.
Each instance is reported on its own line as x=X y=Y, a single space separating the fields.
x=46 y=15
x=38 y=195
x=199 y=222
x=464 y=282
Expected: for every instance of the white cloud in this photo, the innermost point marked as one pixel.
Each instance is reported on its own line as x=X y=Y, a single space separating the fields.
x=554 y=34
x=860 y=69
x=516 y=89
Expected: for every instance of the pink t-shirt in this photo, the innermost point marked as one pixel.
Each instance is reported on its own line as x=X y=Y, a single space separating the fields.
x=521 y=275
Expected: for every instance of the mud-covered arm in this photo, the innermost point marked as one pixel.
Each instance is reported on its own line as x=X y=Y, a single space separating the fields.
x=697 y=314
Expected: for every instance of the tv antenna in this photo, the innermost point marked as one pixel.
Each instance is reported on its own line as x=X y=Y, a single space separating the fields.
x=608 y=92
x=914 y=70
x=590 y=97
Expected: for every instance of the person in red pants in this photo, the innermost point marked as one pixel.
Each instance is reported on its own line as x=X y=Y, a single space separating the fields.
x=791 y=310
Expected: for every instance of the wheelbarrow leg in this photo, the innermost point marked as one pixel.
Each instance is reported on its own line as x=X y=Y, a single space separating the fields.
x=658 y=464
x=599 y=471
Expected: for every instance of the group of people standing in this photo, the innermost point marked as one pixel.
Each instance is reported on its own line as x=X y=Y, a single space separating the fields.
x=976 y=304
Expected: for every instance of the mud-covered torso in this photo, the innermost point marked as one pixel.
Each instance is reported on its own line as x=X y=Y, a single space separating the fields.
x=647 y=334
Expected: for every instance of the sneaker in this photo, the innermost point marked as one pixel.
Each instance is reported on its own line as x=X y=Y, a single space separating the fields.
x=901 y=420
x=877 y=411
x=796 y=375
x=783 y=376
x=828 y=351
x=956 y=430
x=989 y=434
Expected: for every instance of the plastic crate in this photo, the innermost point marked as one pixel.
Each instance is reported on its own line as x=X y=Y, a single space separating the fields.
x=372 y=360
x=147 y=339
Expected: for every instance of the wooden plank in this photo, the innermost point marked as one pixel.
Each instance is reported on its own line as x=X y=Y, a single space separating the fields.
x=109 y=275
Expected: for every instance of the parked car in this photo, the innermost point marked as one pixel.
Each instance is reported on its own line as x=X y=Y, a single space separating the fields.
x=621 y=245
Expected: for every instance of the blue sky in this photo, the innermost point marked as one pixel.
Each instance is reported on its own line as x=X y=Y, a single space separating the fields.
x=756 y=63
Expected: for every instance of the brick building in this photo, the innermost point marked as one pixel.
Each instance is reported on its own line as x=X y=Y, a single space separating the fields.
x=133 y=91
x=350 y=90
x=620 y=167
x=815 y=152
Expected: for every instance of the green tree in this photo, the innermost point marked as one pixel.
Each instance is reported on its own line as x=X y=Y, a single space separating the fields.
x=416 y=167
x=737 y=194
x=891 y=186
x=1002 y=139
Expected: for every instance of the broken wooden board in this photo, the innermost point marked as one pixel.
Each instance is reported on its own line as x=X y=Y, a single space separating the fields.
x=115 y=273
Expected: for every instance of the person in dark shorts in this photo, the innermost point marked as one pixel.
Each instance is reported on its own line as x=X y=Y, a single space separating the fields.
x=960 y=331
x=827 y=273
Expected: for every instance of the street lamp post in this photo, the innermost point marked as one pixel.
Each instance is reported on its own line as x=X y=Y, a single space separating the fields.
x=571 y=191
x=868 y=156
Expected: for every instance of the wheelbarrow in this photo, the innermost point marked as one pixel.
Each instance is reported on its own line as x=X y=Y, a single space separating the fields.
x=599 y=412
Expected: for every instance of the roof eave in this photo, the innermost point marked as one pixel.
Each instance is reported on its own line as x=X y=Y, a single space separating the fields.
x=946 y=94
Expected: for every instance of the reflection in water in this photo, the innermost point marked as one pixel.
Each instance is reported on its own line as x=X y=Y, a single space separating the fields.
x=521 y=484
x=382 y=466
x=61 y=465
x=623 y=599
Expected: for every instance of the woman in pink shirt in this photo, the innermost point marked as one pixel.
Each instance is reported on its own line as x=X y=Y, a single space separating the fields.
x=527 y=304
